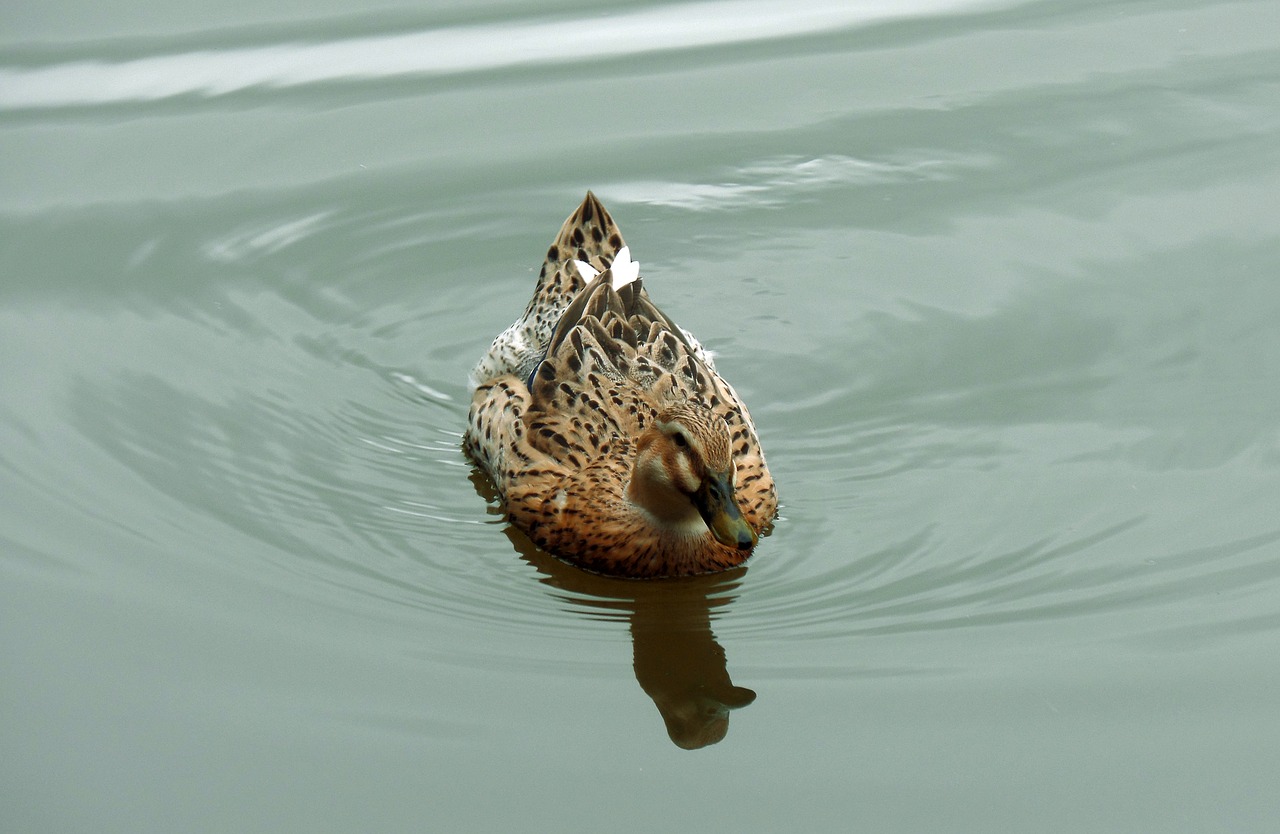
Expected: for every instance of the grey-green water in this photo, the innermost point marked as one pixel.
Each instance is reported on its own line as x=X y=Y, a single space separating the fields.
x=1000 y=283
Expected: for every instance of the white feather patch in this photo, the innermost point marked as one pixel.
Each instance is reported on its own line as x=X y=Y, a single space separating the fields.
x=624 y=269
x=586 y=270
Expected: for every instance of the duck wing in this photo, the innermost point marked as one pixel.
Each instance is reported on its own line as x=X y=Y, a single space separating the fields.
x=613 y=362
x=588 y=236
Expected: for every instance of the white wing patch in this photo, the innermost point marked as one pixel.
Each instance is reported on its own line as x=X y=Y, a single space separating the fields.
x=623 y=270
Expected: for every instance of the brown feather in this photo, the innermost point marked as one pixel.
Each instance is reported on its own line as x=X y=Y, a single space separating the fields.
x=562 y=444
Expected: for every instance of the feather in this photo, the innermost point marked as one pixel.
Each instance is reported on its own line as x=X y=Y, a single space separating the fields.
x=594 y=413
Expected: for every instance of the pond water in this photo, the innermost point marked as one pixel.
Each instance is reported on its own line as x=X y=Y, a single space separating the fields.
x=999 y=281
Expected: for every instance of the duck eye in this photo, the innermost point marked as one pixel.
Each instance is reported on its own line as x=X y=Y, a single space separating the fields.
x=679 y=439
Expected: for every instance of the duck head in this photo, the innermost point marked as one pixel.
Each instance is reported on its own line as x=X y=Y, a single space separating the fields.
x=684 y=477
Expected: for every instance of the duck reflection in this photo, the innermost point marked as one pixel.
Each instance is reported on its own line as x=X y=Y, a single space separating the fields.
x=677 y=660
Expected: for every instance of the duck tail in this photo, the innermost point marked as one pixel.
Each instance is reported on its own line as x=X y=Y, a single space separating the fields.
x=588 y=235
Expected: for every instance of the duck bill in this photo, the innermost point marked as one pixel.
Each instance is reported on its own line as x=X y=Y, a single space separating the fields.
x=715 y=503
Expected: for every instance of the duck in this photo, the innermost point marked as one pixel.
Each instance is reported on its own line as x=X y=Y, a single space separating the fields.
x=610 y=438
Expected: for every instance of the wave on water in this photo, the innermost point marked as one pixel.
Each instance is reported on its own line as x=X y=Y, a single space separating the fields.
x=447 y=51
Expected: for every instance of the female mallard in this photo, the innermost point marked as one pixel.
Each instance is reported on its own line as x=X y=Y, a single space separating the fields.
x=606 y=429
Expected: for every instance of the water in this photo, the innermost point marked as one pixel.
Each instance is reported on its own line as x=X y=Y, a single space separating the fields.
x=997 y=280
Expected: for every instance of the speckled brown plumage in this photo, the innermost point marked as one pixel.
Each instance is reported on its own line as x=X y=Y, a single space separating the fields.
x=608 y=433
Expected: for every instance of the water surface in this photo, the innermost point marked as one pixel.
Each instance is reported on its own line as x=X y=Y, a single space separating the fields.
x=997 y=280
